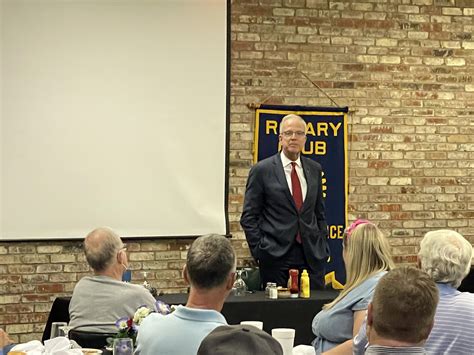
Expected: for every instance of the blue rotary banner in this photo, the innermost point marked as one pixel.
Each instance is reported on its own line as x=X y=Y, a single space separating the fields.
x=327 y=144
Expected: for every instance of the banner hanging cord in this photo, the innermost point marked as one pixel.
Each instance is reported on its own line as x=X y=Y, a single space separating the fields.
x=319 y=88
x=254 y=105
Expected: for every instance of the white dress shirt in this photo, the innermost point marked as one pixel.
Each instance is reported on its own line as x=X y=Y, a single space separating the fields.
x=299 y=170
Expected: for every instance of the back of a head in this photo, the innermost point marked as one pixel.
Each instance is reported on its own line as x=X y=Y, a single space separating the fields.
x=101 y=247
x=368 y=251
x=239 y=340
x=404 y=305
x=210 y=260
x=446 y=256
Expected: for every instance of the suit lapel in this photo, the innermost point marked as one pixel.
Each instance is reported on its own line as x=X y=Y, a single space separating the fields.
x=310 y=188
x=280 y=175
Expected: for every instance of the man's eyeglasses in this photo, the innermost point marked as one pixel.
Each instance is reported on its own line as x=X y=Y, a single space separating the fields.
x=124 y=247
x=289 y=134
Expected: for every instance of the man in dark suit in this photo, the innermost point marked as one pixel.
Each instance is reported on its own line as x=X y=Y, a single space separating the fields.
x=283 y=216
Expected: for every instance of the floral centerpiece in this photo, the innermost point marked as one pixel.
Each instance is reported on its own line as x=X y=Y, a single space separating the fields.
x=128 y=327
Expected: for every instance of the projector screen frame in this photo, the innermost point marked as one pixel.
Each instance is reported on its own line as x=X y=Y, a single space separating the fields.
x=138 y=238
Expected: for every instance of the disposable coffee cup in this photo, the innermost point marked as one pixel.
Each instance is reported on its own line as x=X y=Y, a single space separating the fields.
x=286 y=338
x=254 y=323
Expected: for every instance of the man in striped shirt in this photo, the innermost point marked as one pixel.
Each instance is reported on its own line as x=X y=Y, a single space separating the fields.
x=446 y=256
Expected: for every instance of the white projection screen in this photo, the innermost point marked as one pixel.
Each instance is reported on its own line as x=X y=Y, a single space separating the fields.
x=113 y=113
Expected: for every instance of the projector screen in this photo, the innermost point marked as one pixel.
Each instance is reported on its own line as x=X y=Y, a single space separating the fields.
x=113 y=113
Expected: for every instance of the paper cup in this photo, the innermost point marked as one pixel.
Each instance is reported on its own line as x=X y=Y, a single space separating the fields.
x=286 y=338
x=254 y=323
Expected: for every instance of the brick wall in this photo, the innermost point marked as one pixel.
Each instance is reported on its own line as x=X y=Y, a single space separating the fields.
x=405 y=68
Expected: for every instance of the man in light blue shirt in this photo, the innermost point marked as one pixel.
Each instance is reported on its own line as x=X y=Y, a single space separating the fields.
x=210 y=271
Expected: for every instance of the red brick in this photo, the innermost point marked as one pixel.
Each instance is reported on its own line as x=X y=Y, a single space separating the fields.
x=36 y=298
x=381 y=129
x=401 y=215
x=10 y=318
x=378 y=164
x=390 y=208
x=18 y=308
x=50 y=288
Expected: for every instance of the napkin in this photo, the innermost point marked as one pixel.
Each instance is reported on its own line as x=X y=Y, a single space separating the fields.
x=59 y=346
x=55 y=346
x=304 y=350
x=33 y=347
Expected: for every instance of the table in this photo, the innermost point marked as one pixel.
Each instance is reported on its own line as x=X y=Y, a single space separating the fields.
x=281 y=313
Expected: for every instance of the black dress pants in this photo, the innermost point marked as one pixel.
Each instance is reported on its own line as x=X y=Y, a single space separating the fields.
x=277 y=270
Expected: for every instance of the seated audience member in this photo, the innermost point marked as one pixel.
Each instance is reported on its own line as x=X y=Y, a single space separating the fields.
x=5 y=342
x=210 y=272
x=103 y=298
x=367 y=258
x=467 y=285
x=446 y=257
x=401 y=314
x=239 y=339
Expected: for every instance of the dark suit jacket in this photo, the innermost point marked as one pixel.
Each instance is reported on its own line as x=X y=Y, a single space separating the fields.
x=270 y=219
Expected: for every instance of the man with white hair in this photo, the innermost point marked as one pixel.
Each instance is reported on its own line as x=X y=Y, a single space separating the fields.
x=446 y=256
x=284 y=217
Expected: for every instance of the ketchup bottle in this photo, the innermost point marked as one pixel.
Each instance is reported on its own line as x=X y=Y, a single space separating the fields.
x=294 y=290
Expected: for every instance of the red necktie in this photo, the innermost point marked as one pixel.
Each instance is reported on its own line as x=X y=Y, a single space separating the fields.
x=297 y=194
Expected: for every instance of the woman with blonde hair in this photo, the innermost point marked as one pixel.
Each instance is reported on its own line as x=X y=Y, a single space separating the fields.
x=367 y=258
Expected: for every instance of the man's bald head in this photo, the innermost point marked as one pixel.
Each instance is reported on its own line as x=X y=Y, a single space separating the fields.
x=101 y=247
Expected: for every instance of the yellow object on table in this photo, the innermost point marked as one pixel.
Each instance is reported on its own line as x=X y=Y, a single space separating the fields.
x=304 y=292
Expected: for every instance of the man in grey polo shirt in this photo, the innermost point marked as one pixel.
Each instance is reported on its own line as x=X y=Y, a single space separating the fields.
x=98 y=301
